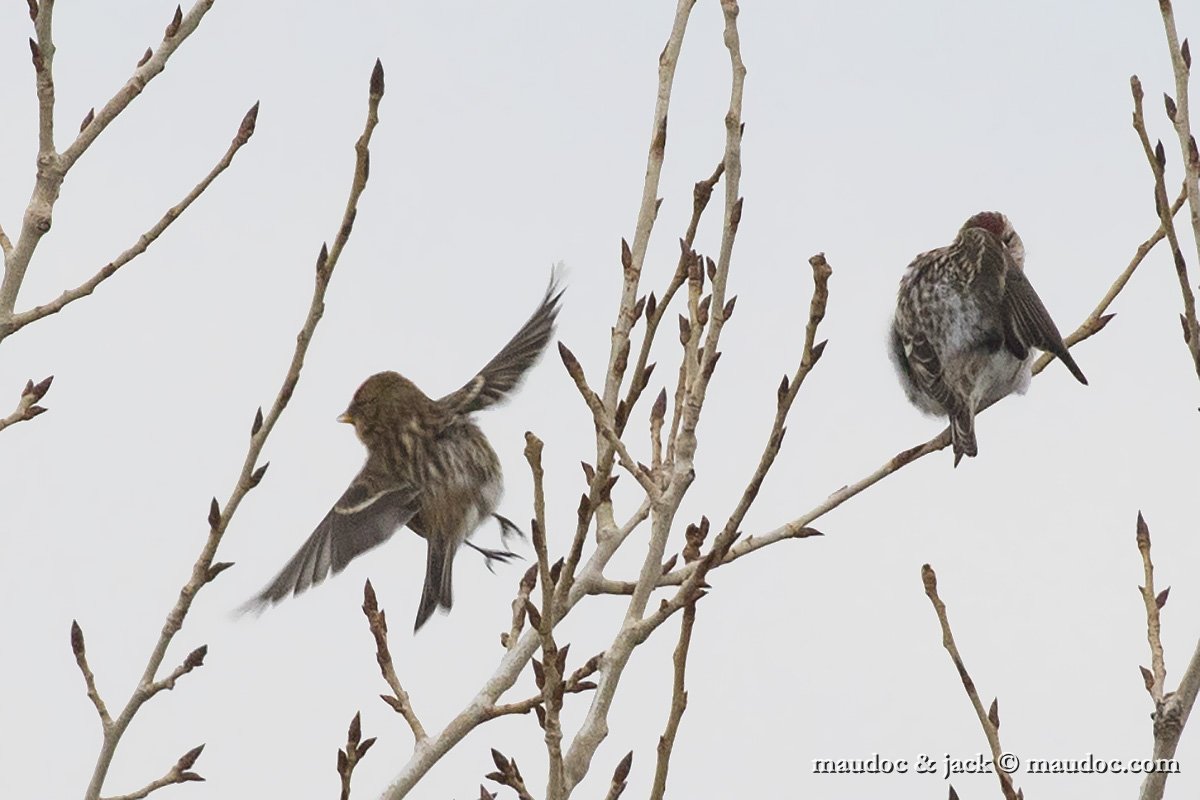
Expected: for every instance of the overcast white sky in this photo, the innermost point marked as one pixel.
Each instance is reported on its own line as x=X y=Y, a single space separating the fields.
x=514 y=136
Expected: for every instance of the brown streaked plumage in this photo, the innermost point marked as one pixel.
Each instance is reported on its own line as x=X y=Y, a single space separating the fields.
x=967 y=320
x=428 y=467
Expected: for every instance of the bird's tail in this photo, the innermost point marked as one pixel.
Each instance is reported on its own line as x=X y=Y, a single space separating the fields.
x=962 y=434
x=439 y=566
x=1065 y=357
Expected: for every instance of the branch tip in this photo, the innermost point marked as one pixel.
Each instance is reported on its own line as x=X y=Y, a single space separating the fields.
x=173 y=25
x=188 y=759
x=377 y=80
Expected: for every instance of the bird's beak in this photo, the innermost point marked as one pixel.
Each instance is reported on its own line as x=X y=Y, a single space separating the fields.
x=345 y=417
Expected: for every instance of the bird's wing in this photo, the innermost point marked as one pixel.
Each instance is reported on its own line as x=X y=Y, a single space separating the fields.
x=1027 y=323
x=502 y=374
x=367 y=514
x=926 y=370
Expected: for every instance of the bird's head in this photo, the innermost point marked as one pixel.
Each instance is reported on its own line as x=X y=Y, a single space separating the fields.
x=386 y=400
x=998 y=225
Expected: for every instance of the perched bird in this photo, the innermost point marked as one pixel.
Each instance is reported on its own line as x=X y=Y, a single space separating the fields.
x=966 y=321
x=428 y=467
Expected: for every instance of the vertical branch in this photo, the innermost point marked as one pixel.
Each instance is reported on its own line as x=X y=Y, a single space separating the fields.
x=1171 y=709
x=785 y=397
x=547 y=673
x=1178 y=111
x=204 y=570
x=1156 y=676
x=666 y=743
x=348 y=758
x=1157 y=158
x=634 y=256
x=632 y=259
x=398 y=700
x=665 y=504
x=990 y=720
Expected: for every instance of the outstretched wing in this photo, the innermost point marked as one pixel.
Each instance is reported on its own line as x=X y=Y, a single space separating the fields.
x=504 y=372
x=365 y=516
x=1027 y=323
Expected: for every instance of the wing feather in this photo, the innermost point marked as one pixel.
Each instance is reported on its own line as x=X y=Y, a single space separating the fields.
x=1028 y=323
x=364 y=517
x=502 y=374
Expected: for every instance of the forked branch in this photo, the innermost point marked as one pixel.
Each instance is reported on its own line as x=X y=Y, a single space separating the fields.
x=205 y=570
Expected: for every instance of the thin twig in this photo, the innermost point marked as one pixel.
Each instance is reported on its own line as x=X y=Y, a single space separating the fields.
x=620 y=775
x=679 y=696
x=180 y=772
x=1181 y=67
x=990 y=720
x=574 y=684
x=634 y=628
x=349 y=756
x=632 y=260
x=398 y=700
x=786 y=396
x=52 y=166
x=27 y=407
x=604 y=425
x=548 y=676
x=204 y=570
x=520 y=605
x=245 y=131
x=1171 y=709
x=507 y=774
x=1156 y=157
x=1095 y=321
x=1156 y=679
x=79 y=648
x=701 y=193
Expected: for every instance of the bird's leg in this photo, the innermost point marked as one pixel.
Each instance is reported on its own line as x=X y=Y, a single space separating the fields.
x=503 y=556
x=508 y=528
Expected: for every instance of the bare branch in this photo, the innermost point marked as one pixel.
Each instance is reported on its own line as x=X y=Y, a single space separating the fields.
x=679 y=696
x=989 y=721
x=52 y=167
x=27 y=407
x=245 y=131
x=1095 y=321
x=349 y=756
x=399 y=700
x=1182 y=117
x=80 y=650
x=604 y=425
x=507 y=774
x=701 y=193
x=1171 y=709
x=634 y=629
x=519 y=604
x=620 y=774
x=1157 y=160
x=204 y=570
x=1157 y=665
x=549 y=676
x=786 y=397
x=180 y=772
